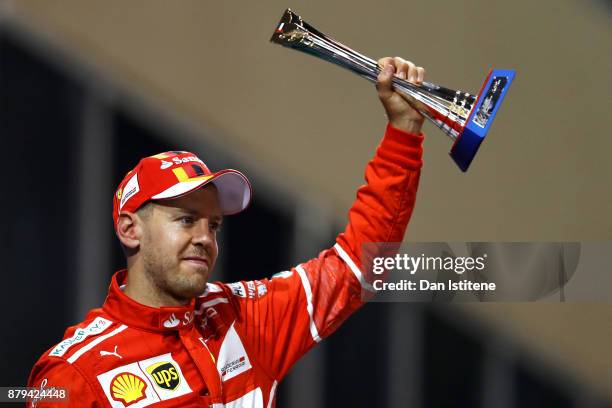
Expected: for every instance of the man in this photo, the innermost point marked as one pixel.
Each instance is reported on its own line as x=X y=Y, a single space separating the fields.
x=166 y=337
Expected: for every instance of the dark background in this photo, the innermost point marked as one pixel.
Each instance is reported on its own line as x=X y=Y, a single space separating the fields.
x=45 y=117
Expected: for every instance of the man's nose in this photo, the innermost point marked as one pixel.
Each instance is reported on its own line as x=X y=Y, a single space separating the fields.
x=203 y=234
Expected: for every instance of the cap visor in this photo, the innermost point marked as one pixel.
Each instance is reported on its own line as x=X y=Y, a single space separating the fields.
x=234 y=191
x=233 y=188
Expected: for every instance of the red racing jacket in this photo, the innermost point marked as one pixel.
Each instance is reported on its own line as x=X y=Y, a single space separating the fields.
x=232 y=345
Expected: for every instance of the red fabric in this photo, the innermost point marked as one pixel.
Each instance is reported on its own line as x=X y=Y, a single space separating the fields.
x=156 y=174
x=236 y=341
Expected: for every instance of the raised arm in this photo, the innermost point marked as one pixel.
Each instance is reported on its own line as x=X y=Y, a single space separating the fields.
x=300 y=307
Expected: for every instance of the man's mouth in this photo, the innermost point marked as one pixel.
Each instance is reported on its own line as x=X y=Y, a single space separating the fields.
x=196 y=260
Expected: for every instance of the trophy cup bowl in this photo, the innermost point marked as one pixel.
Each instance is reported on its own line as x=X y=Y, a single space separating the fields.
x=465 y=118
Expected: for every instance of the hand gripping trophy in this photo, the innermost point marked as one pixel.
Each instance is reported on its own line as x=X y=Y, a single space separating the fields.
x=465 y=118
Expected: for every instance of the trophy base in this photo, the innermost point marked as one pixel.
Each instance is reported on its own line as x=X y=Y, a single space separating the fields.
x=479 y=122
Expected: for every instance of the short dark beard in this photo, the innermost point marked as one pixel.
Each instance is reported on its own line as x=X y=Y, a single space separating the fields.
x=158 y=271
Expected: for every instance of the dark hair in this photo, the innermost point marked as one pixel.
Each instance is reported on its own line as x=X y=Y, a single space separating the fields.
x=144 y=211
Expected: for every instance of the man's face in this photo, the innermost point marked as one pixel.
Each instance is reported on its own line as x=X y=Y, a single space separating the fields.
x=179 y=244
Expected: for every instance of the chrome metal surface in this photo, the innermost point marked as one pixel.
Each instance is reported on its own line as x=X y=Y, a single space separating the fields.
x=446 y=108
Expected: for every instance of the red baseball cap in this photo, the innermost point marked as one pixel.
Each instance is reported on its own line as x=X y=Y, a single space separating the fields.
x=176 y=173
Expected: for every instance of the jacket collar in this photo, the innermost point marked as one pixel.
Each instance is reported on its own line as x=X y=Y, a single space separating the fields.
x=126 y=310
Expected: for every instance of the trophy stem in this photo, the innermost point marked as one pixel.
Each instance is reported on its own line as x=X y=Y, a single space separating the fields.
x=445 y=108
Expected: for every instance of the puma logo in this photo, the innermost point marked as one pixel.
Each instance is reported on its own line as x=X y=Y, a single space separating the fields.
x=108 y=353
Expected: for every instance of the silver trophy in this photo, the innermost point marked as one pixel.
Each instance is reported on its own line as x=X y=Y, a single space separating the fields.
x=465 y=118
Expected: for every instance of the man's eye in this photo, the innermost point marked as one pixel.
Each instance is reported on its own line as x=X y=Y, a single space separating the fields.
x=215 y=226
x=186 y=220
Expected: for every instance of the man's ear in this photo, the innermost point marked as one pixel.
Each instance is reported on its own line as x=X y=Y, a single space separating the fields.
x=129 y=229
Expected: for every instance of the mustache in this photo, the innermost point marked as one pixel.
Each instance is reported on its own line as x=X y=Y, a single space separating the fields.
x=205 y=253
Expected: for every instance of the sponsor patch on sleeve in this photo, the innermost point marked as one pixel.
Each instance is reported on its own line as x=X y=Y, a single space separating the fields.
x=237 y=289
x=97 y=326
x=255 y=289
x=262 y=289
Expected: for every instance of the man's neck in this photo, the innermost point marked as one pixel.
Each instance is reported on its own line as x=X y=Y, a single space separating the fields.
x=142 y=290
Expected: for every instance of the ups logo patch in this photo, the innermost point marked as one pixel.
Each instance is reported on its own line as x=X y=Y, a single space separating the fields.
x=165 y=375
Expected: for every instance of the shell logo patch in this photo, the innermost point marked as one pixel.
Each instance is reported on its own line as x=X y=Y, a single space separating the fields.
x=144 y=382
x=165 y=375
x=128 y=388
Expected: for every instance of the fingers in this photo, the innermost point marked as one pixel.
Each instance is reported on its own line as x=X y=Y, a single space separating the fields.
x=420 y=75
x=385 y=77
x=404 y=69
x=382 y=62
x=402 y=109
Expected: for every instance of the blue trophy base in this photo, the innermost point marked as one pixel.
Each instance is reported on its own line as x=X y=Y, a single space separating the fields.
x=477 y=126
